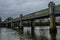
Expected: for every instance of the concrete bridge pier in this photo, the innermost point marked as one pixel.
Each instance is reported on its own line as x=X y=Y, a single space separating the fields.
x=12 y=24
x=32 y=28
x=28 y=23
x=21 y=25
x=53 y=29
x=6 y=25
x=21 y=28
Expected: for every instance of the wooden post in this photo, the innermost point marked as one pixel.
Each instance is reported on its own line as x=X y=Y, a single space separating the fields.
x=32 y=28
x=21 y=24
x=53 y=29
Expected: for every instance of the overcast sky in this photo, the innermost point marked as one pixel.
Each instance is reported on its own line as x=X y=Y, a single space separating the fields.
x=14 y=8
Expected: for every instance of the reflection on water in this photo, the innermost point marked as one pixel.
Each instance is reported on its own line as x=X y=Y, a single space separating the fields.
x=41 y=33
x=8 y=34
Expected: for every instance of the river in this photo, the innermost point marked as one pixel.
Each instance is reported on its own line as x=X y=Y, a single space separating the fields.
x=41 y=33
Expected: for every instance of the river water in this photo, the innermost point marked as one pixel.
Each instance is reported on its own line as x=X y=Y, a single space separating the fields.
x=41 y=33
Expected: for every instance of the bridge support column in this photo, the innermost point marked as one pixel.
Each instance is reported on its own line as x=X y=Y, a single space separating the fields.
x=53 y=29
x=6 y=25
x=12 y=25
x=21 y=24
x=32 y=28
x=28 y=23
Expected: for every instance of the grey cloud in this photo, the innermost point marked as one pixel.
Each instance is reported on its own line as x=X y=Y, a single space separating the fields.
x=14 y=8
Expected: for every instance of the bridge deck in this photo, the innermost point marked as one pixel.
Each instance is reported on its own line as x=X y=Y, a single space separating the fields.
x=39 y=14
